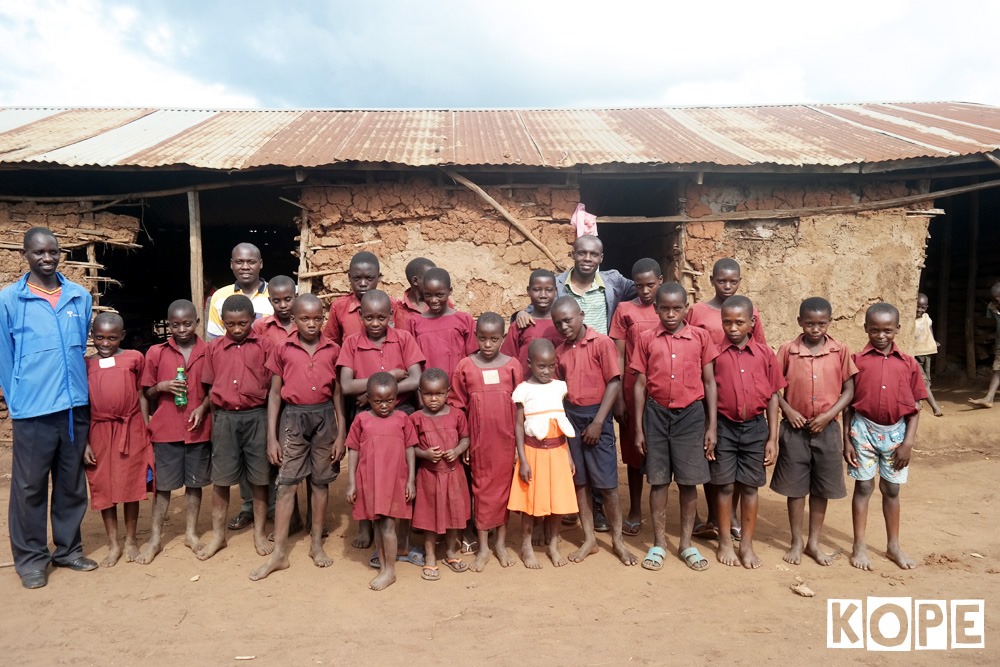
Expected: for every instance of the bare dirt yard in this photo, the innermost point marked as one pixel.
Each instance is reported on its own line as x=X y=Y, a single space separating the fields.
x=181 y=611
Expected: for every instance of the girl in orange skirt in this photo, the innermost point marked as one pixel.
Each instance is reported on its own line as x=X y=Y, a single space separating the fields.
x=543 y=476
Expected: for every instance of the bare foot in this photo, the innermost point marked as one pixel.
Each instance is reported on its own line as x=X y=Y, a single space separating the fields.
x=148 y=553
x=528 y=556
x=589 y=547
x=506 y=560
x=263 y=546
x=214 y=546
x=538 y=534
x=114 y=553
x=727 y=556
x=193 y=543
x=320 y=559
x=938 y=413
x=364 y=538
x=819 y=555
x=624 y=555
x=556 y=557
x=981 y=402
x=382 y=581
x=749 y=557
x=896 y=555
x=859 y=558
x=794 y=555
x=131 y=552
x=272 y=565
x=482 y=558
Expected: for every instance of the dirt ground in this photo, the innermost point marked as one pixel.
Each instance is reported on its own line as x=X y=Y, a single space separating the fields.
x=595 y=613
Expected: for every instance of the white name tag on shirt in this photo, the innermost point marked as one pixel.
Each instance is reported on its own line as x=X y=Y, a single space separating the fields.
x=106 y=362
x=491 y=376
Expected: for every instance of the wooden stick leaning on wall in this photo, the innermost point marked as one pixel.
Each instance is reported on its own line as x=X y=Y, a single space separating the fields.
x=514 y=222
x=197 y=265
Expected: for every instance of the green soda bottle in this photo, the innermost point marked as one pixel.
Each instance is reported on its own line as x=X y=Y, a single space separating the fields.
x=180 y=400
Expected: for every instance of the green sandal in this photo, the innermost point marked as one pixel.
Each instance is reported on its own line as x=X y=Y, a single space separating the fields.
x=654 y=559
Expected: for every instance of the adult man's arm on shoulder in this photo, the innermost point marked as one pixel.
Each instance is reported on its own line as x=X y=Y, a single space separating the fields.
x=6 y=344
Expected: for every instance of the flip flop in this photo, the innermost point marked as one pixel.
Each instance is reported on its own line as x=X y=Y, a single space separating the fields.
x=414 y=556
x=631 y=527
x=456 y=564
x=692 y=557
x=430 y=573
x=373 y=562
x=654 y=559
x=736 y=534
x=469 y=547
x=706 y=531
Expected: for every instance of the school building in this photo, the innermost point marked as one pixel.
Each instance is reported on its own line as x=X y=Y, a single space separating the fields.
x=854 y=202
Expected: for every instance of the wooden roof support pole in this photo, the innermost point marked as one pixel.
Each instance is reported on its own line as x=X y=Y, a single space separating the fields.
x=514 y=222
x=943 y=295
x=970 y=289
x=197 y=260
x=305 y=279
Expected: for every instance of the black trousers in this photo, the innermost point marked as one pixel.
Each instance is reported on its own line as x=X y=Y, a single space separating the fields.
x=43 y=449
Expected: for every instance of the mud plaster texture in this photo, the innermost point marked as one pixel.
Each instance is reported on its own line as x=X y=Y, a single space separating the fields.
x=74 y=230
x=489 y=261
x=853 y=260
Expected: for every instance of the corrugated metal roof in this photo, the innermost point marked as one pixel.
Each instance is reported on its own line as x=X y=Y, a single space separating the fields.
x=794 y=135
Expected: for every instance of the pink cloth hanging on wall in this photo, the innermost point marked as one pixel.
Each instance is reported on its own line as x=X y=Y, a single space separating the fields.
x=585 y=223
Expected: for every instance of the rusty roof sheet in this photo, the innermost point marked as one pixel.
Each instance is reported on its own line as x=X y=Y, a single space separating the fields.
x=803 y=136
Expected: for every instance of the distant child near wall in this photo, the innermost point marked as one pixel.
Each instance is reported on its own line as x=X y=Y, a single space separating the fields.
x=748 y=381
x=543 y=477
x=305 y=428
x=481 y=386
x=344 y=319
x=881 y=429
x=993 y=312
x=444 y=334
x=281 y=295
x=181 y=433
x=631 y=318
x=925 y=347
x=820 y=384
x=542 y=292
x=380 y=347
x=118 y=456
x=381 y=470
x=442 y=505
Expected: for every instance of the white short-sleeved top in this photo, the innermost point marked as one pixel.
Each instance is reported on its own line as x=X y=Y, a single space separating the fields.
x=542 y=403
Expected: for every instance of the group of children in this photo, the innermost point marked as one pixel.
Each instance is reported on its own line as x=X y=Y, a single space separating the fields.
x=449 y=422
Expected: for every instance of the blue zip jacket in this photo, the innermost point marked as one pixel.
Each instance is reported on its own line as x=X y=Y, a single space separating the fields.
x=42 y=370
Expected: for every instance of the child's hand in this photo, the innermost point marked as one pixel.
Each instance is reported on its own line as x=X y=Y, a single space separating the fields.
x=399 y=374
x=524 y=320
x=524 y=472
x=711 y=437
x=273 y=451
x=592 y=434
x=795 y=418
x=620 y=412
x=175 y=387
x=433 y=454
x=88 y=456
x=196 y=417
x=465 y=457
x=640 y=441
x=817 y=424
x=411 y=491
x=850 y=455
x=770 y=452
x=352 y=492
x=338 y=450
x=449 y=455
x=901 y=456
x=362 y=401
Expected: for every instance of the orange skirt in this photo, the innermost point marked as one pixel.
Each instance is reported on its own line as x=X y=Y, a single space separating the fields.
x=551 y=489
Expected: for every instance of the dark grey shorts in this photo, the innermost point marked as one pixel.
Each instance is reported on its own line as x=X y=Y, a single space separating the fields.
x=739 y=452
x=306 y=435
x=675 y=444
x=239 y=447
x=810 y=465
x=597 y=465
x=181 y=464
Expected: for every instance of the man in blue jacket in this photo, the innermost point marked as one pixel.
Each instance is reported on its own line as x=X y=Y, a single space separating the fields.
x=44 y=319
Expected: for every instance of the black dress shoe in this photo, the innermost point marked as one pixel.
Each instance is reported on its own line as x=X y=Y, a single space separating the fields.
x=35 y=579
x=81 y=564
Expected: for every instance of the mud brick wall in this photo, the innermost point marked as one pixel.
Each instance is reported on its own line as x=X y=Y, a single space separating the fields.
x=853 y=260
x=489 y=261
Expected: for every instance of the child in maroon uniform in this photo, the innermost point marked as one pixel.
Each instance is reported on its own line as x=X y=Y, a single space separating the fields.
x=281 y=294
x=442 y=504
x=881 y=429
x=118 y=455
x=748 y=381
x=444 y=334
x=180 y=434
x=345 y=312
x=381 y=467
x=379 y=347
x=588 y=362
x=673 y=427
x=631 y=318
x=481 y=386
x=236 y=371
x=308 y=443
x=542 y=292
x=412 y=304
x=820 y=376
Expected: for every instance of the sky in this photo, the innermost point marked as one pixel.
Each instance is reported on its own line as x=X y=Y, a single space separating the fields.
x=516 y=53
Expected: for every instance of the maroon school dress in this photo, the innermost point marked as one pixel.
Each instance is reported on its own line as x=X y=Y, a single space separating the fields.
x=630 y=320
x=118 y=433
x=442 y=490
x=484 y=395
x=517 y=341
x=381 y=475
x=445 y=340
